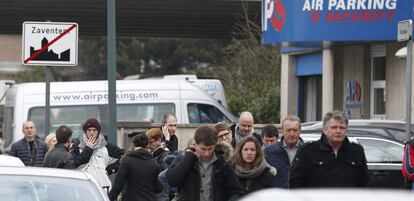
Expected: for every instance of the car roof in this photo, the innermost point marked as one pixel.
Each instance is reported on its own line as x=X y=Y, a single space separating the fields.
x=45 y=172
x=362 y=122
x=329 y=194
x=353 y=133
x=6 y=160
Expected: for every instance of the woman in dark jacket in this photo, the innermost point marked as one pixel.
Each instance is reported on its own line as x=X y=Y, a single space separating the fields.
x=139 y=173
x=250 y=167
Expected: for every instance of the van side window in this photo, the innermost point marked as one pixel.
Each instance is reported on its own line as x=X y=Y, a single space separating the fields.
x=144 y=112
x=72 y=116
x=203 y=113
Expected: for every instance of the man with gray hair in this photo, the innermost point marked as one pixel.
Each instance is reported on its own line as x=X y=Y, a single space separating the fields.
x=244 y=128
x=331 y=161
x=281 y=154
x=30 y=149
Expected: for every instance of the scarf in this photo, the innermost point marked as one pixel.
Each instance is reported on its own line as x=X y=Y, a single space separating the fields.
x=239 y=135
x=250 y=174
x=100 y=141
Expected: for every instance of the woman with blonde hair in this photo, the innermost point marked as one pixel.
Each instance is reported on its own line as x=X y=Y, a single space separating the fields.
x=250 y=166
x=50 y=141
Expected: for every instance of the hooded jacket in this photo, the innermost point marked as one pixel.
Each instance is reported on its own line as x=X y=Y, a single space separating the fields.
x=103 y=162
x=138 y=172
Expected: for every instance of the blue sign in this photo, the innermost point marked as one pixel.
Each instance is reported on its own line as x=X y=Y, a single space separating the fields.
x=333 y=20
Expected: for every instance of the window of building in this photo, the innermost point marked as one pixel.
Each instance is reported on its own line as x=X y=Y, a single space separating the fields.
x=378 y=82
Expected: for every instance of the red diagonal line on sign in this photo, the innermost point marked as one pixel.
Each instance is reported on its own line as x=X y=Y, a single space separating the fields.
x=49 y=44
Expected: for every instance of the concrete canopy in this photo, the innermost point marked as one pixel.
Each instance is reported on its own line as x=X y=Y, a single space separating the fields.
x=149 y=18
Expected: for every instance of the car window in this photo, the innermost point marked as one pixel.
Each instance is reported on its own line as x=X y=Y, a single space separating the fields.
x=203 y=113
x=32 y=188
x=381 y=151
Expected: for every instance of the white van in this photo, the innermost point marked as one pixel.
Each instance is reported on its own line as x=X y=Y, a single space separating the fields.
x=137 y=101
x=212 y=87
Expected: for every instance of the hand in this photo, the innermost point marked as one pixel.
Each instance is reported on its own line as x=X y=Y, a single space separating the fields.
x=91 y=143
x=166 y=133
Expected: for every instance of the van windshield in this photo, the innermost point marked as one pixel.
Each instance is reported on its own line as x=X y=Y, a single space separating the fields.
x=204 y=113
x=75 y=116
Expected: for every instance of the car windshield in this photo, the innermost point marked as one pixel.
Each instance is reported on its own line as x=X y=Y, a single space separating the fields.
x=36 y=188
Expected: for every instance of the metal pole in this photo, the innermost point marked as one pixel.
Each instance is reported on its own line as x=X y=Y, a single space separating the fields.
x=48 y=75
x=111 y=51
x=408 y=75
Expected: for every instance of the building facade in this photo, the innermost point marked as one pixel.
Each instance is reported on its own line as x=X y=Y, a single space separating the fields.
x=339 y=55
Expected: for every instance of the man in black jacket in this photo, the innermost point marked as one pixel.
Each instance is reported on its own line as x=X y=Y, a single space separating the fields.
x=331 y=161
x=203 y=175
x=59 y=156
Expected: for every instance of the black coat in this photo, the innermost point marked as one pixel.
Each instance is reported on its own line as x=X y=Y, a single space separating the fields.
x=159 y=155
x=21 y=150
x=264 y=180
x=185 y=175
x=171 y=144
x=317 y=166
x=59 y=157
x=139 y=173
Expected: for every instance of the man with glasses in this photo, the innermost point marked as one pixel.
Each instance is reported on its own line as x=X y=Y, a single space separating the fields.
x=281 y=154
x=223 y=132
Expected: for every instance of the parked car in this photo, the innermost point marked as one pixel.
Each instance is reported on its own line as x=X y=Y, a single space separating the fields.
x=384 y=157
x=46 y=184
x=322 y=194
x=6 y=160
x=390 y=128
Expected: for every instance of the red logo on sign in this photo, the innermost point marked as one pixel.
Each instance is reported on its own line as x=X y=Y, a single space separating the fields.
x=315 y=16
x=279 y=15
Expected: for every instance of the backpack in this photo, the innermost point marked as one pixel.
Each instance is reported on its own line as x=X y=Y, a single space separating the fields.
x=408 y=162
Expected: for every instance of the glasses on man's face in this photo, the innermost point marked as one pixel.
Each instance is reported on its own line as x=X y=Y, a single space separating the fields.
x=223 y=135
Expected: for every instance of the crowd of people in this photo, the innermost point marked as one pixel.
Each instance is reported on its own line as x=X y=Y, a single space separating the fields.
x=221 y=162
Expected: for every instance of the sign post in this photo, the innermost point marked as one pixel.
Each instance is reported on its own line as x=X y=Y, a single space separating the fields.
x=405 y=31
x=49 y=44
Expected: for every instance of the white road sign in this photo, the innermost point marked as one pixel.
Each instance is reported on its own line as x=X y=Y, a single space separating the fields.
x=50 y=43
x=405 y=30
